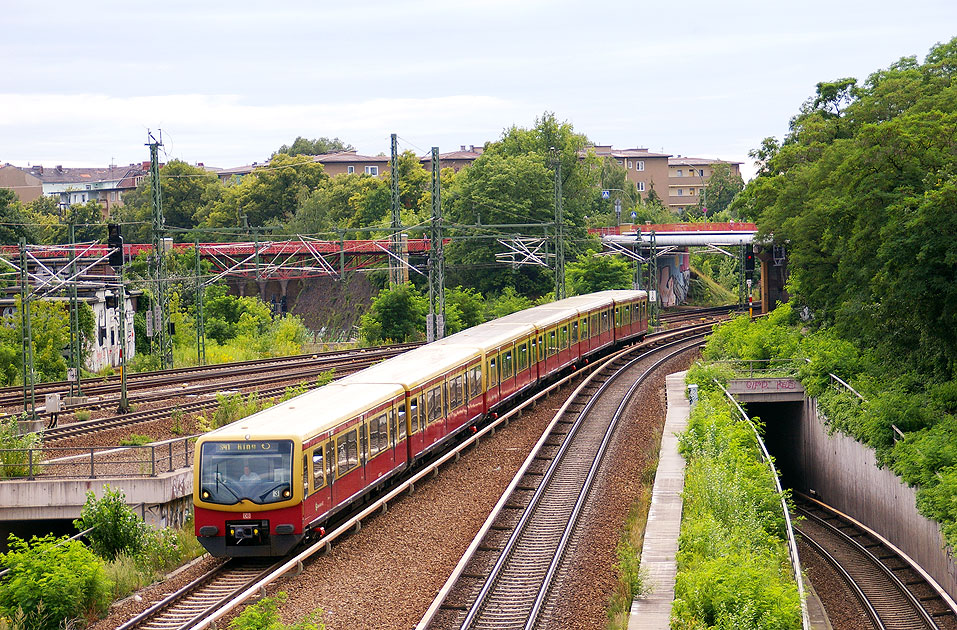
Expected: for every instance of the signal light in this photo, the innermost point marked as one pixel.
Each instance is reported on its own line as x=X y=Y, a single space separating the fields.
x=748 y=261
x=114 y=241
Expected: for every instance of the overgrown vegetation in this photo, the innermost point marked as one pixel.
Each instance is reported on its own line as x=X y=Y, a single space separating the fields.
x=264 y=615
x=733 y=565
x=14 y=449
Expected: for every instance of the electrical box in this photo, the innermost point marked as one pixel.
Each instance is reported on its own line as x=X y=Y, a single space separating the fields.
x=52 y=403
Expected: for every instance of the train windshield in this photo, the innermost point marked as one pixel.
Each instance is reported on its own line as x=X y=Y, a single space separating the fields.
x=258 y=471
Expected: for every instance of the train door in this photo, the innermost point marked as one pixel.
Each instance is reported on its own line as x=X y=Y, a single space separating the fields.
x=456 y=400
x=574 y=340
x=564 y=344
x=506 y=369
x=492 y=393
x=594 y=330
x=476 y=391
x=522 y=364
x=317 y=477
x=536 y=355
x=607 y=335
x=435 y=413
x=349 y=471
x=551 y=350
x=380 y=443
x=583 y=340
x=416 y=424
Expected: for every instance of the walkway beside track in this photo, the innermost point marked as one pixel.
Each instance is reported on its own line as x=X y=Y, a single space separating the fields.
x=653 y=611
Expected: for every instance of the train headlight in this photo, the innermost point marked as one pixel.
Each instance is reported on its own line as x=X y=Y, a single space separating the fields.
x=205 y=494
x=256 y=531
x=285 y=493
x=232 y=532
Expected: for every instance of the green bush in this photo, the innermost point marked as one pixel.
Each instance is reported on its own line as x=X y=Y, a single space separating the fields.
x=233 y=407
x=116 y=527
x=15 y=458
x=264 y=615
x=52 y=580
x=136 y=439
x=733 y=565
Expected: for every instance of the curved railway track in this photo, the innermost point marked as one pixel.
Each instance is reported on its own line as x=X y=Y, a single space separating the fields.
x=506 y=577
x=893 y=593
x=215 y=612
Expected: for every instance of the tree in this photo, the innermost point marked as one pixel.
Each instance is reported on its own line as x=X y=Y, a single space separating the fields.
x=397 y=315
x=861 y=192
x=13 y=220
x=592 y=273
x=720 y=191
x=302 y=146
x=267 y=197
x=344 y=202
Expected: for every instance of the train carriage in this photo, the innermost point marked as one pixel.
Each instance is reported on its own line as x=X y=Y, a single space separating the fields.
x=265 y=482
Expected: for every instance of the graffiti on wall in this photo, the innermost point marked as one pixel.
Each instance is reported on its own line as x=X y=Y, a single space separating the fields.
x=674 y=278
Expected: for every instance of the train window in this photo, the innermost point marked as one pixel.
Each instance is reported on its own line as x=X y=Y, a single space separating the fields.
x=456 y=392
x=414 y=413
x=552 y=343
x=617 y=316
x=522 y=350
x=318 y=469
x=330 y=462
x=347 y=451
x=505 y=361
x=434 y=404
x=563 y=337
x=492 y=373
x=604 y=321
x=475 y=381
x=400 y=423
x=258 y=471
x=378 y=435
x=628 y=313
x=584 y=328
x=575 y=331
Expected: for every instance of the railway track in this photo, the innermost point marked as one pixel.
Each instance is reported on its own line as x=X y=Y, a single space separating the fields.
x=506 y=577
x=215 y=612
x=342 y=367
x=182 y=609
x=893 y=592
x=100 y=387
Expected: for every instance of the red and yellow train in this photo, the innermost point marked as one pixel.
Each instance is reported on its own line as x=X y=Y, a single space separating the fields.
x=265 y=482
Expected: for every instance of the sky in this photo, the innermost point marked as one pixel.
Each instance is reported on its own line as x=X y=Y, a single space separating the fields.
x=83 y=83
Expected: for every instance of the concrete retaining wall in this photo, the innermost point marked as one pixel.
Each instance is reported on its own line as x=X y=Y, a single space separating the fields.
x=844 y=473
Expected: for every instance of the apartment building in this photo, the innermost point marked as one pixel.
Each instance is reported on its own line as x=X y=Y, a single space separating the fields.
x=687 y=179
x=74 y=185
x=645 y=169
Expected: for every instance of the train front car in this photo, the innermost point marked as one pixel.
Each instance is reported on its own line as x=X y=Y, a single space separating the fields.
x=246 y=503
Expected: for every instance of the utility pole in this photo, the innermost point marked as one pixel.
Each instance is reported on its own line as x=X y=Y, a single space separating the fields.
x=29 y=378
x=124 y=402
x=559 y=229
x=653 y=296
x=435 y=326
x=200 y=328
x=395 y=271
x=75 y=339
x=159 y=225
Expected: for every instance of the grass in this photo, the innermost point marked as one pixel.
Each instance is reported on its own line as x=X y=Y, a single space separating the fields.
x=630 y=579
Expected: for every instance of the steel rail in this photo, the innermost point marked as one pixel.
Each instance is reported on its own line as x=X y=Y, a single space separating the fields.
x=354 y=523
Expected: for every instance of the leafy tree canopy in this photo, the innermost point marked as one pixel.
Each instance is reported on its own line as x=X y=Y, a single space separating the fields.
x=592 y=273
x=303 y=146
x=862 y=192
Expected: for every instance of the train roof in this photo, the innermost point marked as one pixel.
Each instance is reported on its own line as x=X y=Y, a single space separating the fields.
x=488 y=335
x=309 y=414
x=415 y=366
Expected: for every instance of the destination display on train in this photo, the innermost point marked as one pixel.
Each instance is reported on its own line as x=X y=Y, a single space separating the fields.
x=274 y=446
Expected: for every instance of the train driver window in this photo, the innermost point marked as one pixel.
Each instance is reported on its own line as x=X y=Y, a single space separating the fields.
x=318 y=470
x=475 y=378
x=347 y=447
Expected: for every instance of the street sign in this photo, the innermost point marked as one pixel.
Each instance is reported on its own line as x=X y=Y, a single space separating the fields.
x=606 y=194
x=71 y=374
x=634 y=215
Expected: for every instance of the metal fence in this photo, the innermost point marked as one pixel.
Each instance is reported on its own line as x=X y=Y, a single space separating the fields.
x=761 y=368
x=91 y=462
